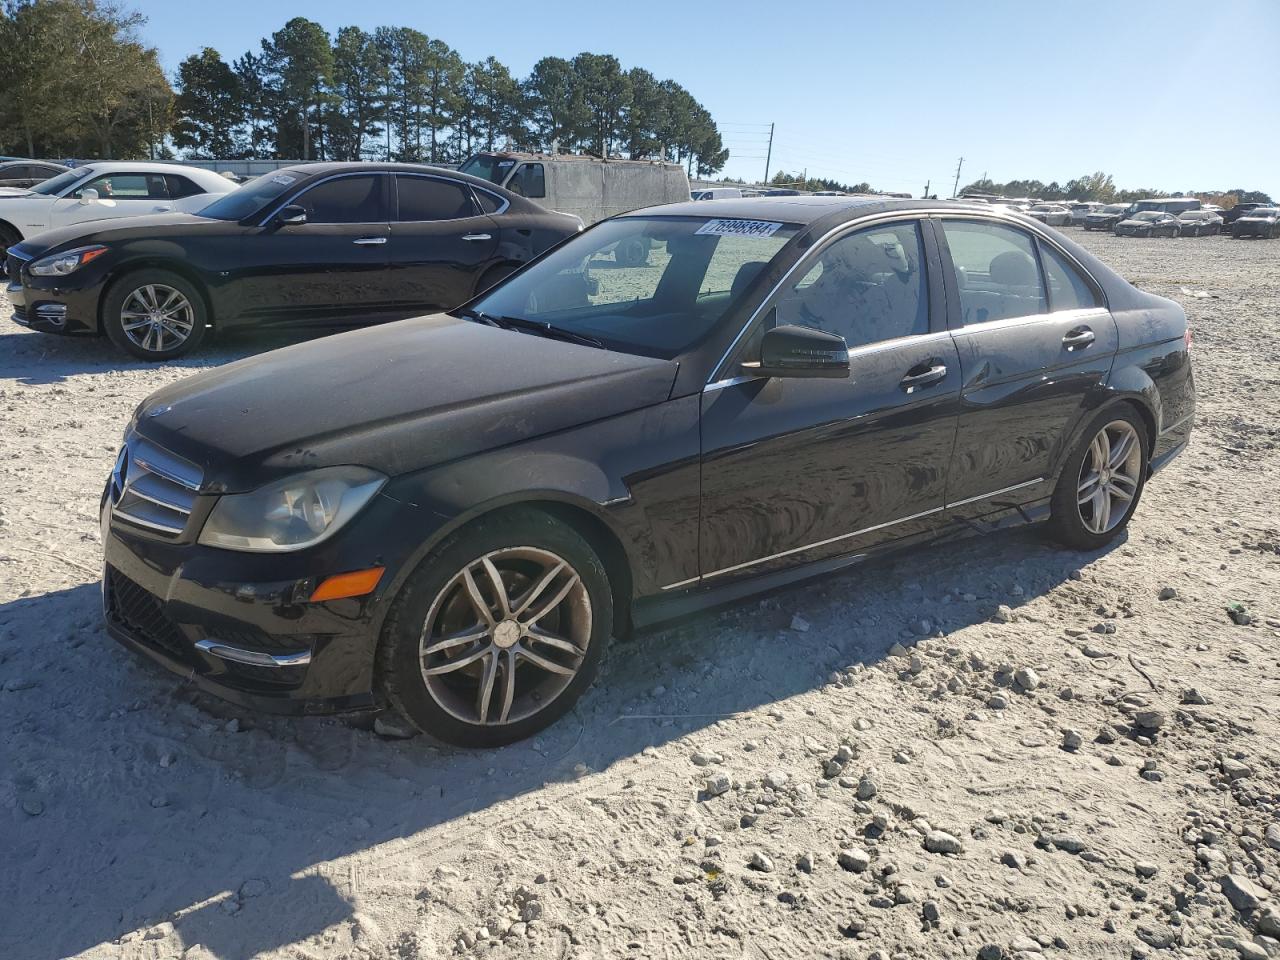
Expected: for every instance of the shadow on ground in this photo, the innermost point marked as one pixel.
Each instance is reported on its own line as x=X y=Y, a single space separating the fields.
x=152 y=810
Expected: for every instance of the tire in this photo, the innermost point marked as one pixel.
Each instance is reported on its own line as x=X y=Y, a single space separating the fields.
x=493 y=276
x=8 y=237
x=1085 y=525
x=132 y=297
x=632 y=253
x=533 y=555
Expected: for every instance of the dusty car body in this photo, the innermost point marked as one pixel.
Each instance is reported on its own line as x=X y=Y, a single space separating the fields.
x=456 y=523
x=1199 y=223
x=1263 y=222
x=1148 y=223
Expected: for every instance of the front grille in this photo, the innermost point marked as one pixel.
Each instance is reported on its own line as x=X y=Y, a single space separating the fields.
x=153 y=488
x=14 y=268
x=142 y=615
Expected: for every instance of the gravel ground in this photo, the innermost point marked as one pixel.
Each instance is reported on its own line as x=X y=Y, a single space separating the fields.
x=991 y=750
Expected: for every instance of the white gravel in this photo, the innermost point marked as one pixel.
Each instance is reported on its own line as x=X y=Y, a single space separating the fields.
x=896 y=814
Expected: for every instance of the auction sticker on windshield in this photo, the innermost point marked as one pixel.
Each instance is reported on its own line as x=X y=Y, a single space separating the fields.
x=738 y=228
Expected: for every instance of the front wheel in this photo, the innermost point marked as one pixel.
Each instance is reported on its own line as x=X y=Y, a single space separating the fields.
x=154 y=315
x=1101 y=482
x=498 y=632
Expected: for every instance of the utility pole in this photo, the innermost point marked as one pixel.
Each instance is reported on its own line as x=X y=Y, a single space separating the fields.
x=956 y=188
x=768 y=156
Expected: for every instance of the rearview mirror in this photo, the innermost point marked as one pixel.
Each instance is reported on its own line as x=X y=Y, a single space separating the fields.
x=794 y=351
x=89 y=196
x=292 y=215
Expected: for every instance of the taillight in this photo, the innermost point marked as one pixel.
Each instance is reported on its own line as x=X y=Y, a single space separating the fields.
x=1186 y=339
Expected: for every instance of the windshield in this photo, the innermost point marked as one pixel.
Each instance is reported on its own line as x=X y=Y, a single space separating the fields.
x=63 y=180
x=250 y=197
x=649 y=285
x=486 y=167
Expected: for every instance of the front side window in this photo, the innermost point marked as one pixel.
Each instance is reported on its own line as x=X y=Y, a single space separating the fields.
x=650 y=285
x=345 y=200
x=127 y=186
x=430 y=198
x=867 y=287
x=996 y=271
x=530 y=181
x=1067 y=289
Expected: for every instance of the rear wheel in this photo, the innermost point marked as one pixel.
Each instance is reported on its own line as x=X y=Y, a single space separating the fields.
x=1102 y=481
x=498 y=633
x=154 y=315
x=8 y=237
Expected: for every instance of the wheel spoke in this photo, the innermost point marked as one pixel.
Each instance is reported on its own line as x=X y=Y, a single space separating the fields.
x=553 y=641
x=485 y=692
x=1102 y=450
x=538 y=661
x=1120 y=452
x=499 y=588
x=136 y=324
x=537 y=589
x=508 y=684
x=477 y=598
x=1085 y=490
x=1116 y=489
x=1101 y=510
x=553 y=602
x=478 y=632
x=452 y=665
x=149 y=297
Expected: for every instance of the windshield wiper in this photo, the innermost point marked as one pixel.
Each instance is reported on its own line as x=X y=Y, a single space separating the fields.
x=538 y=327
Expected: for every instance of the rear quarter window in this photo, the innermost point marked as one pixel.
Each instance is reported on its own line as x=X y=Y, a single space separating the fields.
x=1068 y=290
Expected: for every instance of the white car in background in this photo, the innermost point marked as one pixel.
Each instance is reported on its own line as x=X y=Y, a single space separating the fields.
x=99 y=190
x=1052 y=214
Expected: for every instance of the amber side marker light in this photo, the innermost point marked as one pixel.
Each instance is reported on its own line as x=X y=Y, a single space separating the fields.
x=354 y=584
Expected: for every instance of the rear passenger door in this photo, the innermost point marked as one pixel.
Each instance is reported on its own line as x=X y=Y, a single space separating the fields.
x=441 y=241
x=1035 y=344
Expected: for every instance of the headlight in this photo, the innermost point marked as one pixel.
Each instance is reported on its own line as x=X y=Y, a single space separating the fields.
x=293 y=513
x=60 y=264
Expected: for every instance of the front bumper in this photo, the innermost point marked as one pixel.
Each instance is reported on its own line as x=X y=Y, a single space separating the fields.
x=241 y=626
x=44 y=306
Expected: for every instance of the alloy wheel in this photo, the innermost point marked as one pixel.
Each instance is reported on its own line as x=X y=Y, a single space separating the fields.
x=157 y=317
x=1109 y=477
x=505 y=636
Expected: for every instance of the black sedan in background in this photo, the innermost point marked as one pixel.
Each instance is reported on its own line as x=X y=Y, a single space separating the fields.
x=1261 y=222
x=326 y=244
x=451 y=516
x=1107 y=217
x=27 y=173
x=1148 y=223
x=1199 y=223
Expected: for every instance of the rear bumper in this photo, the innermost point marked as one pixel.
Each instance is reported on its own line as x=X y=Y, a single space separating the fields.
x=1171 y=442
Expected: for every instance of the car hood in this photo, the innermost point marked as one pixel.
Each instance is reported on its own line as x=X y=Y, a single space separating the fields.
x=398 y=398
x=118 y=228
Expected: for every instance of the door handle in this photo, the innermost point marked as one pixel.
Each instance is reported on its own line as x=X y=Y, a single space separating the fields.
x=477 y=236
x=369 y=241
x=1079 y=337
x=163 y=208
x=933 y=374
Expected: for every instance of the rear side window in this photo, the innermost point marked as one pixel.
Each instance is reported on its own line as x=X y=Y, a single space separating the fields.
x=180 y=187
x=429 y=198
x=996 y=271
x=1067 y=289
x=345 y=200
x=489 y=202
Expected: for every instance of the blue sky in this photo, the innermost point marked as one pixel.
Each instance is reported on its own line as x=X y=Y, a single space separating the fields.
x=1171 y=94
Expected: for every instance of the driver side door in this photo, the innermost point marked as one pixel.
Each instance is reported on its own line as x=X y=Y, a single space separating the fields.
x=799 y=470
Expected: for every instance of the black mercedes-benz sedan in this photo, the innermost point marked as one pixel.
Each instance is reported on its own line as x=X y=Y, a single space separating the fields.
x=450 y=516
x=1148 y=223
x=323 y=245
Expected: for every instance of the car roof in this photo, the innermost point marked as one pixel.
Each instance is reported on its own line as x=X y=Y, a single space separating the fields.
x=214 y=182
x=801 y=209
x=328 y=168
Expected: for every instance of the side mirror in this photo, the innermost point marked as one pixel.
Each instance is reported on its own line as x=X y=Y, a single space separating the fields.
x=292 y=215
x=89 y=196
x=794 y=351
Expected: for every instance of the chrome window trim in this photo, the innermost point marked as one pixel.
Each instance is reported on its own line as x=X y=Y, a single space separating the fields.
x=849 y=226
x=855 y=533
x=457 y=183
x=333 y=176
x=1004 y=322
